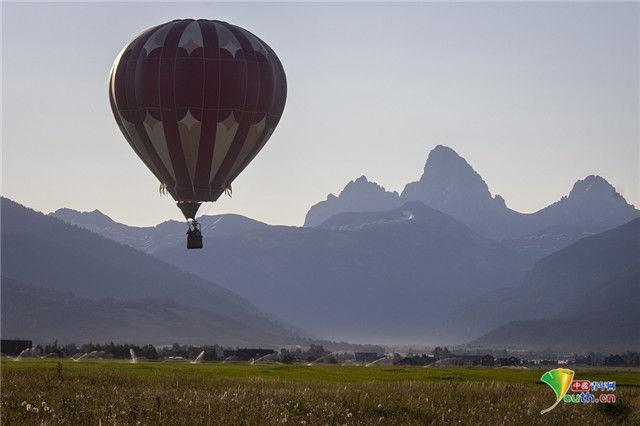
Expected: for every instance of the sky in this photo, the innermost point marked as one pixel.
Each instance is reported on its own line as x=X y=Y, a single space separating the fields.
x=533 y=95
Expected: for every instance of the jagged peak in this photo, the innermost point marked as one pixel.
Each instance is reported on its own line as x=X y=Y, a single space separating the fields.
x=592 y=184
x=446 y=155
x=363 y=184
x=445 y=150
x=358 y=195
x=446 y=165
x=448 y=176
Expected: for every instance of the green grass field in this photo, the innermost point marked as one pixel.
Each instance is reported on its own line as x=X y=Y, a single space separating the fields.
x=108 y=392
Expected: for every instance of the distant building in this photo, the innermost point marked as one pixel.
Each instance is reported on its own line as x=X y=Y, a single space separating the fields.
x=247 y=354
x=296 y=355
x=512 y=360
x=468 y=359
x=488 y=361
x=464 y=359
x=14 y=347
x=578 y=359
x=416 y=360
x=366 y=356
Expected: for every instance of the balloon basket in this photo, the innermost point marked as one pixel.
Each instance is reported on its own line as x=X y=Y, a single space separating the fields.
x=194 y=241
x=194 y=235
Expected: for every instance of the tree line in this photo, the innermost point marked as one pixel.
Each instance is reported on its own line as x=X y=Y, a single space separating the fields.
x=314 y=352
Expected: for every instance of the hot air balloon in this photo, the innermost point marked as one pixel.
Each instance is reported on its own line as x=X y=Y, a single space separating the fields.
x=197 y=100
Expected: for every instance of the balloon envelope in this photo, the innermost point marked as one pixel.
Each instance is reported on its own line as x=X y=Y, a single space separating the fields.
x=197 y=100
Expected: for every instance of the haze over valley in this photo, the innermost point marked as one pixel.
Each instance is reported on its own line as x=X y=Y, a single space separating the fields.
x=442 y=262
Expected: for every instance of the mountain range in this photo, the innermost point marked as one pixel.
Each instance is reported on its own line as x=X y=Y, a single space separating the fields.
x=54 y=257
x=42 y=315
x=443 y=261
x=585 y=296
x=449 y=184
x=605 y=319
x=153 y=238
x=378 y=276
x=390 y=280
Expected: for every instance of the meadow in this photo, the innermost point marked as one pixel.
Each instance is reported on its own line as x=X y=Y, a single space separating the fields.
x=53 y=391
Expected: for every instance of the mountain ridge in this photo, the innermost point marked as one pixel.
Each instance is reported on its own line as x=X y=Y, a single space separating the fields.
x=392 y=278
x=41 y=314
x=48 y=252
x=358 y=195
x=154 y=238
x=550 y=287
x=450 y=184
x=605 y=318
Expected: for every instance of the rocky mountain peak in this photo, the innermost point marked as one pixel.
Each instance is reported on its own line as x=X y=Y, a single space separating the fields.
x=443 y=155
x=449 y=184
x=594 y=186
x=592 y=203
x=358 y=195
x=362 y=187
x=445 y=168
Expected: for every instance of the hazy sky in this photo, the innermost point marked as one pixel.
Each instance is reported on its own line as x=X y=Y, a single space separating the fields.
x=533 y=95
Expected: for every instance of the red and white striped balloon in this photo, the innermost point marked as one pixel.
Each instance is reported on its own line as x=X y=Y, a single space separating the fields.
x=197 y=100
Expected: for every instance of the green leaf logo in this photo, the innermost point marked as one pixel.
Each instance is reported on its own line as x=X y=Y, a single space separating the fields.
x=559 y=380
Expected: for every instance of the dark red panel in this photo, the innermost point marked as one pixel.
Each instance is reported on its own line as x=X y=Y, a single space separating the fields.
x=147 y=82
x=169 y=110
x=212 y=84
x=233 y=84
x=209 y=39
x=189 y=81
x=265 y=95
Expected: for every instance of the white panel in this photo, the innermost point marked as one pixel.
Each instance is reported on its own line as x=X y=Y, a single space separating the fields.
x=225 y=132
x=157 y=39
x=142 y=152
x=155 y=131
x=191 y=38
x=226 y=40
x=189 y=129
x=255 y=132
x=257 y=46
